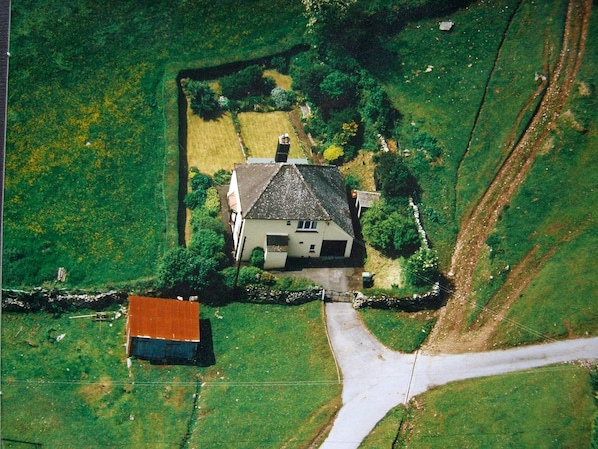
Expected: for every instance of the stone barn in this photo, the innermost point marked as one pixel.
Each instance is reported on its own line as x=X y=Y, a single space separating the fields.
x=159 y=329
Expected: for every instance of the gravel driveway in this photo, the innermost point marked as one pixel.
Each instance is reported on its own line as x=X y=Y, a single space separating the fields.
x=376 y=379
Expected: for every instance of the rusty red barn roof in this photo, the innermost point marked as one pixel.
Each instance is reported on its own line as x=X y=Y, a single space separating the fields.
x=166 y=319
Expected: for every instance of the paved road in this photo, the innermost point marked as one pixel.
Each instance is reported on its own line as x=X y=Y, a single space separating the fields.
x=376 y=379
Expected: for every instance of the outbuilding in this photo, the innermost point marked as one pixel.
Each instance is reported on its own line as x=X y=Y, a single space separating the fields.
x=159 y=329
x=364 y=200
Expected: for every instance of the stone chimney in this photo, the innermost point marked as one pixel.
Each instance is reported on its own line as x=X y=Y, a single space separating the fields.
x=283 y=148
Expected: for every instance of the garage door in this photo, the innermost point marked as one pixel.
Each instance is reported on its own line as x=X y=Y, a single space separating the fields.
x=333 y=248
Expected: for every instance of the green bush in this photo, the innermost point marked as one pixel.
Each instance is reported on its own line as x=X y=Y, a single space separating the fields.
x=290 y=283
x=201 y=96
x=186 y=271
x=389 y=229
x=393 y=177
x=195 y=199
x=199 y=181
x=200 y=184
x=422 y=267
x=222 y=177
x=257 y=257
x=429 y=144
x=280 y=64
x=353 y=182
x=375 y=108
x=203 y=219
x=281 y=99
x=207 y=243
x=246 y=276
x=334 y=153
x=212 y=202
x=246 y=82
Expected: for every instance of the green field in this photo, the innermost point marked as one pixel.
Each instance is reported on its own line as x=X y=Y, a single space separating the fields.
x=79 y=393
x=91 y=185
x=513 y=410
x=476 y=100
x=446 y=100
x=92 y=147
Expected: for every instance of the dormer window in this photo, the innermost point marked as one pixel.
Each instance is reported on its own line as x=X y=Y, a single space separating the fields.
x=307 y=225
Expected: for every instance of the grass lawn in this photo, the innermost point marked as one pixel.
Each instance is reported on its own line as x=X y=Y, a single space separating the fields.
x=281 y=80
x=260 y=133
x=363 y=168
x=271 y=361
x=213 y=144
x=514 y=410
x=274 y=383
x=79 y=393
x=400 y=331
x=387 y=271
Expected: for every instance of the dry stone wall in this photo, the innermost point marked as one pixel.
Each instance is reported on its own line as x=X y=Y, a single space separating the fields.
x=426 y=301
x=57 y=300
x=262 y=295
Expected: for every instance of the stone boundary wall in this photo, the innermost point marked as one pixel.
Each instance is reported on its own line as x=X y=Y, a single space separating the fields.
x=58 y=301
x=263 y=295
x=40 y=299
x=426 y=301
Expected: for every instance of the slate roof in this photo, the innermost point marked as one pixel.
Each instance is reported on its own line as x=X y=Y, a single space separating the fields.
x=278 y=191
x=164 y=319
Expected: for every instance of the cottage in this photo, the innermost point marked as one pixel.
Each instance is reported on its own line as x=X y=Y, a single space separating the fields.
x=162 y=328
x=289 y=210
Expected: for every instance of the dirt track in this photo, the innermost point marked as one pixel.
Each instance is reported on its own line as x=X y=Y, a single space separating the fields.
x=450 y=335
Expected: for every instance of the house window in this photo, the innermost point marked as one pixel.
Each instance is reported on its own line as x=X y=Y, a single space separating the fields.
x=312 y=248
x=307 y=225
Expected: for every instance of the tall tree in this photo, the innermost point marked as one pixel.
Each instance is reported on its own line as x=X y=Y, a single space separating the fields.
x=393 y=177
x=202 y=97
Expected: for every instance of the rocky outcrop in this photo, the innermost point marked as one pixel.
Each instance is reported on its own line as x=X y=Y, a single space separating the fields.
x=58 y=300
